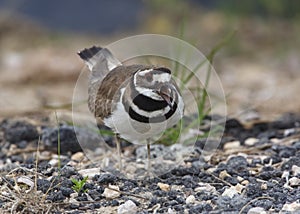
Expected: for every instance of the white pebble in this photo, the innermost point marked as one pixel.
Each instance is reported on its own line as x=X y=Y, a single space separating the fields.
x=275 y=140
x=289 y=132
x=89 y=172
x=25 y=180
x=73 y=201
x=232 y=145
x=190 y=199
x=251 y=141
x=285 y=175
x=74 y=195
x=295 y=170
x=205 y=187
x=110 y=193
x=233 y=190
x=53 y=162
x=257 y=210
x=230 y=192
x=264 y=186
x=128 y=207
x=294 y=181
x=223 y=174
x=239 y=178
x=245 y=182
x=291 y=207
x=163 y=187
x=171 y=211
x=239 y=188
x=4 y=193
x=78 y=156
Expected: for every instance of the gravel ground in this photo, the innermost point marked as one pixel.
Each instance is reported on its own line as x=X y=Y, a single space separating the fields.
x=256 y=169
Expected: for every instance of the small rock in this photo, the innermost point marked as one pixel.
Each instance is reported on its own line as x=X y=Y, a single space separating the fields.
x=232 y=145
x=22 y=144
x=239 y=178
x=245 y=182
x=285 y=175
x=17 y=131
x=292 y=207
x=257 y=210
x=68 y=171
x=27 y=181
x=67 y=136
x=74 y=195
x=106 y=178
x=89 y=172
x=230 y=192
x=239 y=188
x=291 y=162
x=78 y=156
x=110 y=193
x=294 y=181
x=56 y=196
x=295 y=170
x=43 y=185
x=53 y=162
x=296 y=145
x=205 y=187
x=237 y=162
x=287 y=152
x=128 y=207
x=171 y=211
x=56 y=159
x=71 y=139
x=95 y=195
x=251 y=141
x=223 y=174
x=16 y=158
x=190 y=199
x=45 y=155
x=164 y=187
x=264 y=186
x=89 y=198
x=74 y=203
x=275 y=140
x=289 y=132
x=66 y=191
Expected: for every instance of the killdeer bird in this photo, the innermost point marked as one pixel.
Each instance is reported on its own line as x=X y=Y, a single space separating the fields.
x=137 y=102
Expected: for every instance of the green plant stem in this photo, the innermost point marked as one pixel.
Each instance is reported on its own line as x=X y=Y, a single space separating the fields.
x=58 y=144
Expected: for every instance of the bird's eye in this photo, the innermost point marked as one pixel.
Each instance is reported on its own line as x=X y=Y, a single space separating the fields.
x=149 y=77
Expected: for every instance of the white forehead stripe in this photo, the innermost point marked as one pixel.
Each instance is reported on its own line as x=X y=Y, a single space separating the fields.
x=144 y=72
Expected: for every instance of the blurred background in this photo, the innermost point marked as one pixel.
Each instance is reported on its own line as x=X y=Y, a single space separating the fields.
x=259 y=66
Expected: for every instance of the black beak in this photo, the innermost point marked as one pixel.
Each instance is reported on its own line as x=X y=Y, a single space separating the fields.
x=165 y=92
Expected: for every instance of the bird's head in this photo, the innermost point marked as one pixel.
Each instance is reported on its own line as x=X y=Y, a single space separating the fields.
x=157 y=84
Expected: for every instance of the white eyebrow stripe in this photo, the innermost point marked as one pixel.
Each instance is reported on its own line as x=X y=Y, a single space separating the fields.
x=162 y=77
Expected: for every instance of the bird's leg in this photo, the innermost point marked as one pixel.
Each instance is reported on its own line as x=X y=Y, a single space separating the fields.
x=148 y=157
x=119 y=151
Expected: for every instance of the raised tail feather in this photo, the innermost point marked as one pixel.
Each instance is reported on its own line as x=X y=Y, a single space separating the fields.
x=99 y=59
x=88 y=53
x=100 y=62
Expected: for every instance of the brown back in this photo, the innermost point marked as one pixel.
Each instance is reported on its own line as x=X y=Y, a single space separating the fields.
x=109 y=90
